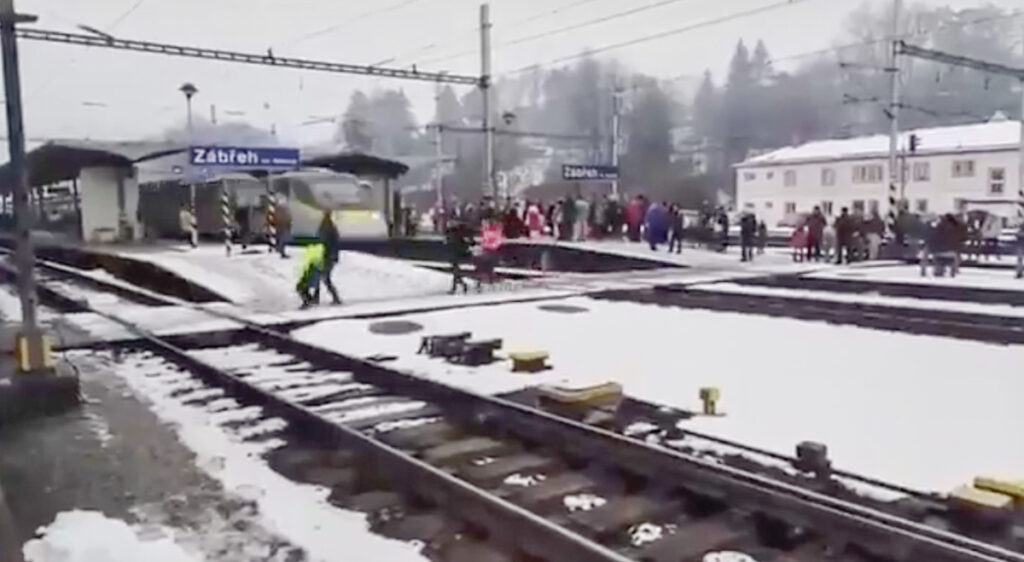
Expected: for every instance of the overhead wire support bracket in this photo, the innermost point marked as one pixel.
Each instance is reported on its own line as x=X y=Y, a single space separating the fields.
x=957 y=60
x=234 y=56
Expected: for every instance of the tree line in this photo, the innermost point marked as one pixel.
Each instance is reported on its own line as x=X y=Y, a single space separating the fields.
x=839 y=92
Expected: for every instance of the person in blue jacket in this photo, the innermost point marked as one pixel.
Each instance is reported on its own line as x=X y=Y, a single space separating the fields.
x=657 y=223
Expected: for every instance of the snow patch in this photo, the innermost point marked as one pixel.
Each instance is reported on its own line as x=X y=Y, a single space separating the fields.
x=90 y=536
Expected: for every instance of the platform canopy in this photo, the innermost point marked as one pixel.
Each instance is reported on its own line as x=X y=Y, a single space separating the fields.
x=63 y=160
x=356 y=163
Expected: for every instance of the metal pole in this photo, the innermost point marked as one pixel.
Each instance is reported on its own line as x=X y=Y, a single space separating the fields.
x=485 y=91
x=23 y=255
x=1020 y=185
x=438 y=170
x=194 y=225
x=225 y=214
x=271 y=216
x=894 y=114
x=616 y=123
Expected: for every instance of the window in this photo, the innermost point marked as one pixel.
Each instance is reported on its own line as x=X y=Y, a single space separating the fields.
x=770 y=175
x=922 y=171
x=826 y=208
x=790 y=207
x=963 y=168
x=749 y=176
x=873 y=205
x=828 y=176
x=789 y=178
x=869 y=173
x=921 y=205
x=768 y=205
x=996 y=181
x=858 y=206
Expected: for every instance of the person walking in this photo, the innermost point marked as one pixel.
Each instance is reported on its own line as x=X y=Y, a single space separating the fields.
x=657 y=223
x=491 y=241
x=534 y=221
x=459 y=240
x=331 y=241
x=185 y=222
x=874 y=229
x=309 y=274
x=568 y=225
x=748 y=229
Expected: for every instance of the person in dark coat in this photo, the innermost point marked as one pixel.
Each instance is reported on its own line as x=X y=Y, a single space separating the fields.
x=815 y=233
x=675 y=241
x=723 y=225
x=748 y=230
x=328 y=235
x=459 y=240
x=762 y=237
x=844 y=226
x=568 y=218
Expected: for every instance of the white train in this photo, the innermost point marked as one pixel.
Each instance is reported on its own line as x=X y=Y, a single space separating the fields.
x=355 y=204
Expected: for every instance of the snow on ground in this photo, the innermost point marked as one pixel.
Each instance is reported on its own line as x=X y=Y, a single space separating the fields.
x=298 y=512
x=871 y=298
x=266 y=282
x=923 y=412
x=911 y=274
x=89 y=536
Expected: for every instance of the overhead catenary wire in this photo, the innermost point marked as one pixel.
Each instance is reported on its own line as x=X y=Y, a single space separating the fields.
x=475 y=29
x=127 y=13
x=557 y=31
x=663 y=34
x=359 y=17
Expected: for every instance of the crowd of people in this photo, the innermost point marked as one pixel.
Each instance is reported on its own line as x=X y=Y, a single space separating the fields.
x=577 y=218
x=850 y=237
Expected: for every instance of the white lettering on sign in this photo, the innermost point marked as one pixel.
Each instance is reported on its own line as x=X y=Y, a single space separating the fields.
x=225 y=157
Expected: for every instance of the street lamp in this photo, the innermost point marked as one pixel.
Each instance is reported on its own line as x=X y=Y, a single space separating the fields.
x=190 y=90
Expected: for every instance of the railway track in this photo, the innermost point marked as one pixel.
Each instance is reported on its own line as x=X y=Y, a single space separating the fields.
x=528 y=484
x=912 y=320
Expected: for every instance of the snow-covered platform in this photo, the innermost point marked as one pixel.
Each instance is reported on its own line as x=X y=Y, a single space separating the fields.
x=886 y=404
x=968 y=277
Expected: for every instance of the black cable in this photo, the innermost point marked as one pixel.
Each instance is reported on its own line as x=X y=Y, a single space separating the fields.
x=663 y=34
x=339 y=25
x=124 y=16
x=557 y=31
x=528 y=19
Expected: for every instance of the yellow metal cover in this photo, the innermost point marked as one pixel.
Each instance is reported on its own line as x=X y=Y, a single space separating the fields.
x=981 y=498
x=1010 y=488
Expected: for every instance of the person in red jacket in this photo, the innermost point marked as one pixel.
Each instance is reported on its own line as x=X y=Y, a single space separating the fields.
x=491 y=240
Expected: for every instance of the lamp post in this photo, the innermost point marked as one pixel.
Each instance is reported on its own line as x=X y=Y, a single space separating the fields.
x=190 y=90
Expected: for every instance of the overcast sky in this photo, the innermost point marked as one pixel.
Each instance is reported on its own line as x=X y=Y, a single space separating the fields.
x=76 y=92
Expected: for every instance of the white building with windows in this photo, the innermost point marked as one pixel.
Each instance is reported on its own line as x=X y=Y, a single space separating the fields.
x=952 y=168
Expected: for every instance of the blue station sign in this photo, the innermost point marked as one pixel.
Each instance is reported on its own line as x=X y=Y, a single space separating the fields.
x=243 y=157
x=589 y=172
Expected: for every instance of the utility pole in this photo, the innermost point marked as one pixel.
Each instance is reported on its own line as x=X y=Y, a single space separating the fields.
x=190 y=90
x=485 y=94
x=438 y=167
x=616 y=124
x=31 y=345
x=1020 y=179
x=991 y=68
x=894 y=115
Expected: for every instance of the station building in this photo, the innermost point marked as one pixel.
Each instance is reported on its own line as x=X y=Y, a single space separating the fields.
x=948 y=169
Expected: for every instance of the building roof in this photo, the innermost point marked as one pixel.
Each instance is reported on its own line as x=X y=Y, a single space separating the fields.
x=62 y=160
x=994 y=135
x=357 y=163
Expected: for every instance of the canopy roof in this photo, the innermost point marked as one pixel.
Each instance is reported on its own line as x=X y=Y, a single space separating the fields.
x=357 y=163
x=62 y=160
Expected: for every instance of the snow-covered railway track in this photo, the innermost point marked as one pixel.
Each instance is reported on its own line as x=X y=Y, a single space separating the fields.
x=912 y=320
x=524 y=481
